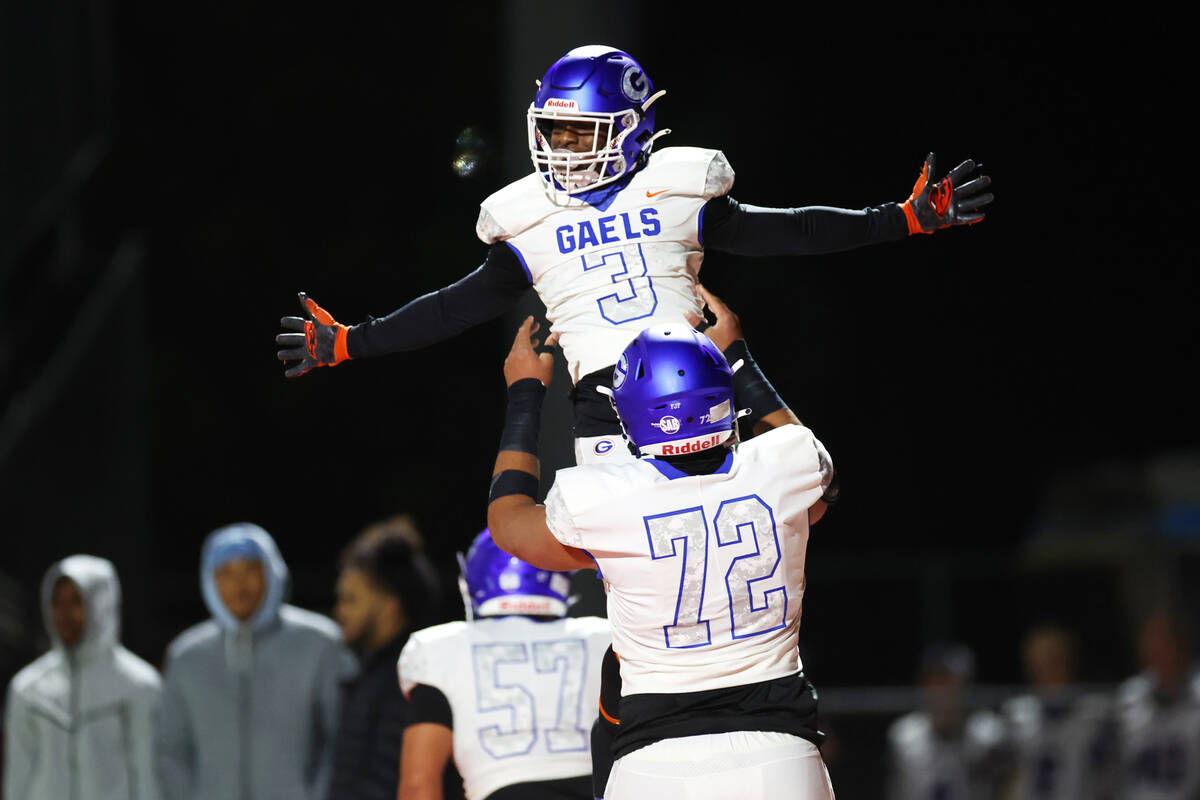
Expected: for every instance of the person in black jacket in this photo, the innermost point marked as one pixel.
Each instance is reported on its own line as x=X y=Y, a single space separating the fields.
x=386 y=589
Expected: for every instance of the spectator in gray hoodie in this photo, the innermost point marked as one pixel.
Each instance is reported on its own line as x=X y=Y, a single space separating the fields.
x=251 y=697
x=78 y=721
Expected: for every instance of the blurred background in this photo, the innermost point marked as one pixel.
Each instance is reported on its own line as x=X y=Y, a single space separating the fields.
x=1011 y=406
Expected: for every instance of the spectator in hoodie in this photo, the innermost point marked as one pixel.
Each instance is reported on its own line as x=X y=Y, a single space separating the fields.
x=79 y=720
x=251 y=697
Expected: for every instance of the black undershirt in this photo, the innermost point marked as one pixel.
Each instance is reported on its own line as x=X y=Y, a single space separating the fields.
x=783 y=705
x=726 y=225
x=577 y=788
x=430 y=705
x=625 y=724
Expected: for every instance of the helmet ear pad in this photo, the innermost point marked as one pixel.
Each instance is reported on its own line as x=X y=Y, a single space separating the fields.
x=673 y=391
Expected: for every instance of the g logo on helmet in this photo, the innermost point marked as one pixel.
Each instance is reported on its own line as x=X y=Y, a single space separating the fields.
x=620 y=371
x=634 y=84
x=667 y=424
x=603 y=446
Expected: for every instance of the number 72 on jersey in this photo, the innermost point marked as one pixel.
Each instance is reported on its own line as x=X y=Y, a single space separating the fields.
x=753 y=587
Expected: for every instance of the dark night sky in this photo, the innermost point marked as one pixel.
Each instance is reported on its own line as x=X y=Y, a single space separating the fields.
x=952 y=377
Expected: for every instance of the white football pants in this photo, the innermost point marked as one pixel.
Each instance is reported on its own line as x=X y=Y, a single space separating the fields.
x=743 y=765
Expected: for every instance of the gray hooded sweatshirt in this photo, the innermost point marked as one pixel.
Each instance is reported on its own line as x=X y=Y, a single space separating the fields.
x=250 y=709
x=78 y=721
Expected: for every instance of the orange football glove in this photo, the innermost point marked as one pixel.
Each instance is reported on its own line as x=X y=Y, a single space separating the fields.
x=932 y=207
x=318 y=341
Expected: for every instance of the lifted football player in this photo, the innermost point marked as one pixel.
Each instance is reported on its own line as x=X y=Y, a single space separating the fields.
x=701 y=546
x=611 y=233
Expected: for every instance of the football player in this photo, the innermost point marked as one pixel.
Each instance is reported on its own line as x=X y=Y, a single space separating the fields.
x=1062 y=739
x=611 y=233
x=510 y=694
x=944 y=751
x=701 y=546
x=1158 y=716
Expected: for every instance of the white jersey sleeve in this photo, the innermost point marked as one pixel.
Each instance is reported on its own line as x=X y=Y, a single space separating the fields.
x=488 y=229
x=522 y=693
x=606 y=272
x=424 y=657
x=705 y=573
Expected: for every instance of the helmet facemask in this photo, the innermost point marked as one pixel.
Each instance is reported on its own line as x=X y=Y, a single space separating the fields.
x=605 y=91
x=570 y=172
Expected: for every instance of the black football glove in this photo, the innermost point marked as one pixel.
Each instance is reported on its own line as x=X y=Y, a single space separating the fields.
x=319 y=341
x=933 y=206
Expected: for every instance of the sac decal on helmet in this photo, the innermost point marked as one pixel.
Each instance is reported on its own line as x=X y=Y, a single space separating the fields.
x=602 y=88
x=496 y=584
x=673 y=391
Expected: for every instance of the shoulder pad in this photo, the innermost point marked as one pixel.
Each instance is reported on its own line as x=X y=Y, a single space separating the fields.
x=421 y=660
x=909 y=730
x=984 y=729
x=513 y=209
x=692 y=171
x=1023 y=709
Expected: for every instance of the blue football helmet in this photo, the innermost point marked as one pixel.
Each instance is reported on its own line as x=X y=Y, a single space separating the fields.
x=606 y=89
x=673 y=391
x=495 y=584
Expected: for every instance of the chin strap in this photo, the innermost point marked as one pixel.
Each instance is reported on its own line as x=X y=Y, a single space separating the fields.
x=651 y=100
x=649 y=145
x=657 y=135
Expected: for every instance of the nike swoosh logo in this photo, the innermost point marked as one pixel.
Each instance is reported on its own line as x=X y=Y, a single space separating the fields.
x=656 y=194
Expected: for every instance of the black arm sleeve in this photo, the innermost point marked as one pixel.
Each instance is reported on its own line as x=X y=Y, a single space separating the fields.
x=430 y=705
x=745 y=230
x=483 y=295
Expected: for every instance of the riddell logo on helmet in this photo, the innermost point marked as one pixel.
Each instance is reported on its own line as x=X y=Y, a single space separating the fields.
x=557 y=104
x=691 y=447
x=520 y=605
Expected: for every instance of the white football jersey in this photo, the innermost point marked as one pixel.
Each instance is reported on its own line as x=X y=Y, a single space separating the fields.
x=1060 y=753
x=704 y=573
x=606 y=274
x=523 y=694
x=1160 y=742
x=925 y=766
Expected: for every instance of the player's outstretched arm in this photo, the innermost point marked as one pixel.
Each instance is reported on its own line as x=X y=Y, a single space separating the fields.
x=516 y=520
x=748 y=230
x=482 y=295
